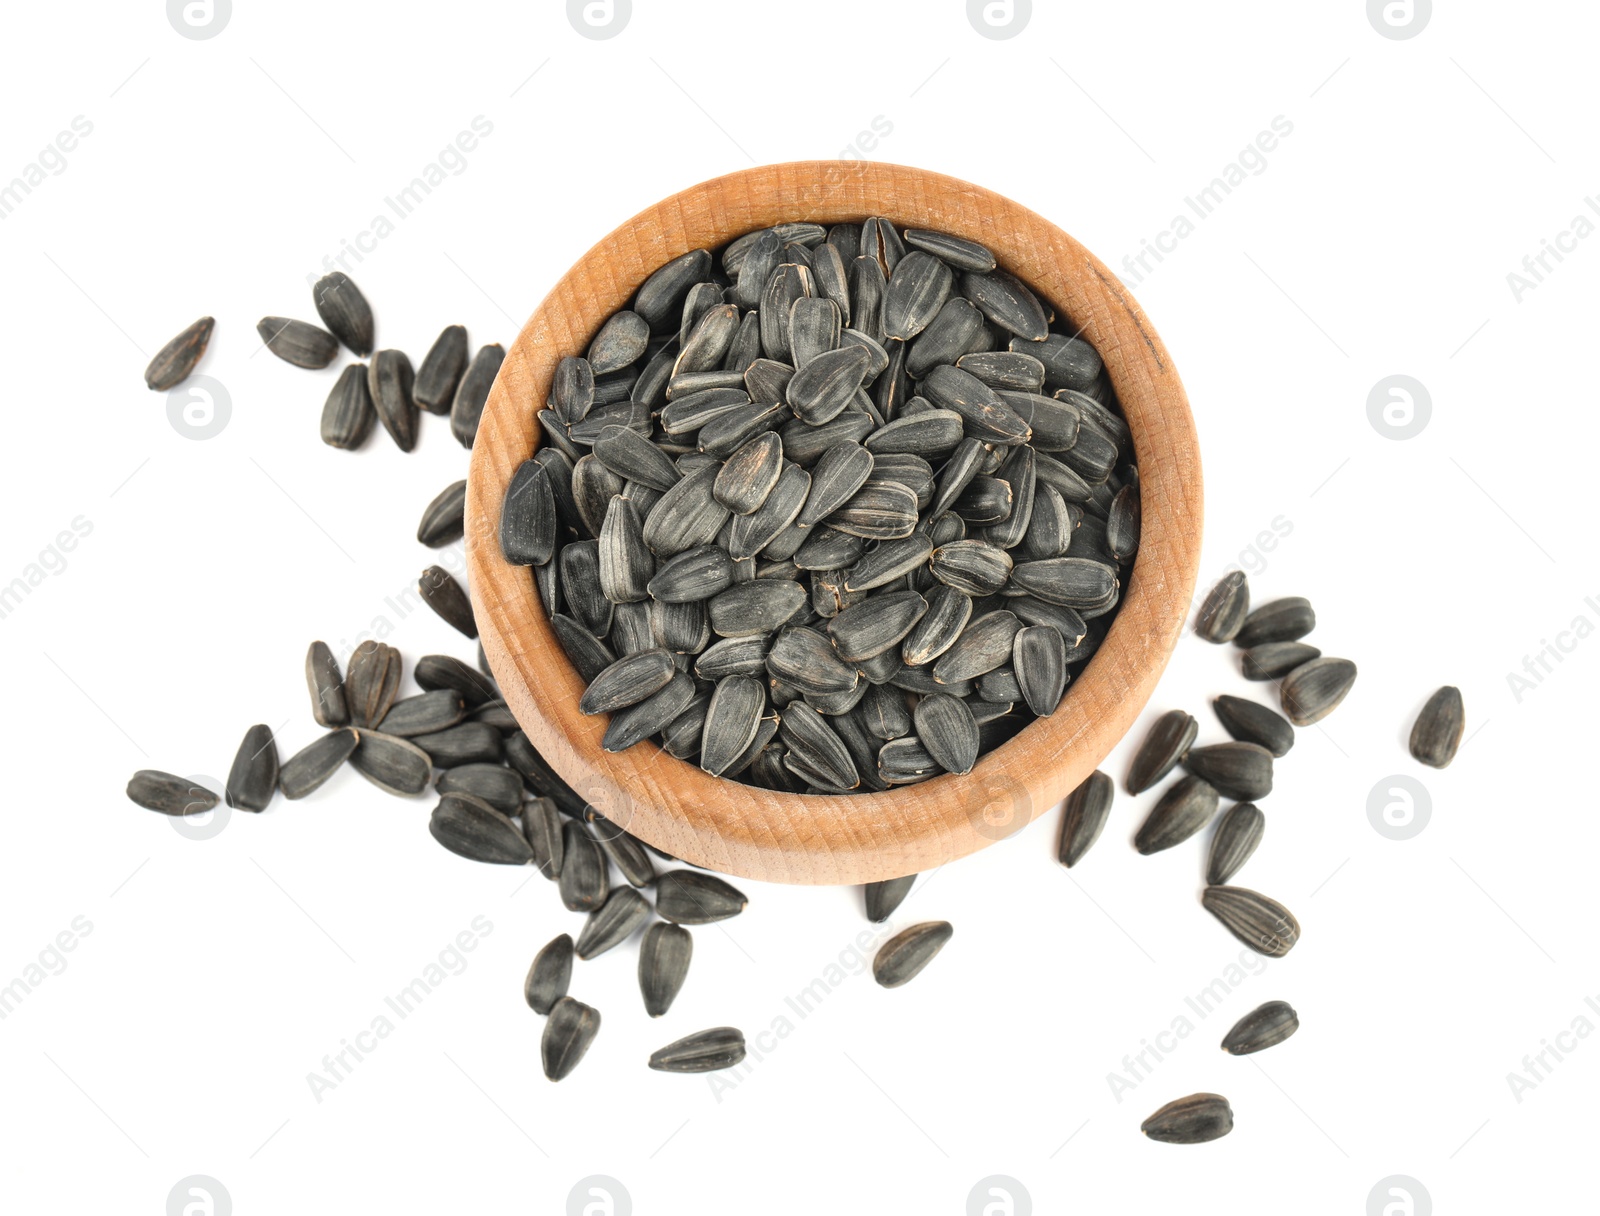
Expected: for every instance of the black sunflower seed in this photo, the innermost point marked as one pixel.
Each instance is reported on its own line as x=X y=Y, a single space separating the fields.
x=313 y=764
x=1284 y=620
x=169 y=794
x=441 y=592
x=568 y=1032
x=174 y=361
x=584 y=882
x=440 y=372
x=1436 y=734
x=1084 y=817
x=1227 y=604
x=549 y=975
x=884 y=897
x=434 y=671
x=1182 y=811
x=471 y=828
x=1169 y=739
x=1263 y=924
x=390 y=382
x=1238 y=834
x=664 y=955
x=464 y=743
x=1274 y=660
x=1192 y=1120
x=345 y=311
x=1251 y=722
x=689 y=897
x=326 y=686
x=1313 y=690
x=298 y=342
x=613 y=923
x=528 y=517
x=1039 y=658
x=902 y=958
x=703 y=1051
x=395 y=765
x=1263 y=1027
x=424 y=714
x=1237 y=770
x=443 y=518
x=466 y=410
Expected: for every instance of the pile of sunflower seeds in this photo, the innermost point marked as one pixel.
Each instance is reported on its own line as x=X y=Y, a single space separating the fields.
x=829 y=510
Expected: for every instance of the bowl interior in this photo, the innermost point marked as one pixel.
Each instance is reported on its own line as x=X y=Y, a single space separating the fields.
x=758 y=833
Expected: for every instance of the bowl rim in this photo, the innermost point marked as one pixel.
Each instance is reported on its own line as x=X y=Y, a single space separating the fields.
x=806 y=838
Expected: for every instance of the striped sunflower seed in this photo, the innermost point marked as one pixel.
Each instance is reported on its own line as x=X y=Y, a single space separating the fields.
x=568 y=1033
x=435 y=671
x=326 y=686
x=1283 y=620
x=884 y=713
x=947 y=729
x=818 y=746
x=528 y=517
x=731 y=722
x=471 y=828
x=1010 y=371
x=1237 y=836
x=625 y=561
x=1263 y=924
x=1069 y=363
x=538 y=776
x=443 y=520
x=957 y=251
x=695 y=574
x=888 y=561
x=986 y=416
x=473 y=393
x=1227 y=604
x=1274 y=660
x=1005 y=301
x=804 y=658
x=1250 y=722
x=703 y=1051
x=613 y=923
x=572 y=392
x=821 y=390
x=1436 y=734
x=948 y=337
x=1237 y=770
x=424 y=714
x=372 y=678
x=298 y=342
x=448 y=598
x=983 y=645
x=974 y=567
x=904 y=761
x=347 y=415
x=580 y=579
x=689 y=897
x=306 y=770
x=745 y=656
x=761 y=606
x=764 y=529
x=1084 y=817
x=749 y=475
x=584 y=882
x=660 y=297
x=917 y=290
x=169 y=794
x=839 y=472
x=814 y=327
x=626 y=852
x=879 y=510
x=651 y=716
x=389 y=383
x=628 y=681
x=872 y=627
x=464 y=743
x=593 y=488
x=541 y=824
x=687 y=515
x=345 y=311
x=621 y=341
x=1313 y=690
x=550 y=974
x=1192 y=1120
x=1122 y=525
x=1167 y=743
x=174 y=361
x=902 y=958
x=946 y=617
x=664 y=956
x=1263 y=1027
x=1039 y=657
x=709 y=341
x=632 y=457
x=1182 y=811
x=884 y=897
x=1073 y=582
x=440 y=372
x=395 y=765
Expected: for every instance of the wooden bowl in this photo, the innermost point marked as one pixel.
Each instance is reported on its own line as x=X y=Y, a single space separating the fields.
x=757 y=833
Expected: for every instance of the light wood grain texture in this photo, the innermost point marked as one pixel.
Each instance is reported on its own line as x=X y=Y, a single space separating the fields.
x=756 y=833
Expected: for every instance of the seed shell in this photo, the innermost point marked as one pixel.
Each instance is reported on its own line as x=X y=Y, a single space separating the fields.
x=1436 y=734
x=390 y=382
x=471 y=828
x=528 y=517
x=1282 y=620
x=1263 y=924
x=395 y=765
x=440 y=372
x=1274 y=660
x=1237 y=770
x=441 y=592
x=1250 y=722
x=443 y=520
x=884 y=897
x=1039 y=658
x=326 y=686
x=947 y=729
x=424 y=714
x=1223 y=613
x=664 y=955
x=904 y=955
x=473 y=393
x=464 y=743
x=584 y=882
x=613 y=923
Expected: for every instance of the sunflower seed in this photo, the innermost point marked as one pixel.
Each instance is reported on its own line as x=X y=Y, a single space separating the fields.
x=441 y=592
x=1284 y=620
x=1192 y=1120
x=872 y=627
x=1039 y=658
x=821 y=390
x=440 y=373
x=550 y=974
x=917 y=290
x=1122 y=526
x=1252 y=723
x=538 y=776
x=634 y=458
x=169 y=794
x=703 y=1051
x=528 y=517
x=1237 y=770
x=1222 y=614
x=650 y=716
x=884 y=897
x=688 y=897
x=473 y=392
x=766 y=380
x=946 y=338
x=389 y=383
x=731 y=722
x=708 y=342
x=986 y=416
x=583 y=881
x=947 y=615
x=347 y=415
x=879 y=510
x=628 y=681
x=972 y=566
x=1263 y=924
x=686 y=517
x=625 y=562
x=1012 y=371
x=804 y=443
x=1236 y=838
x=1436 y=734
x=395 y=765
x=1168 y=741
x=308 y=768
x=812 y=328
x=436 y=671
x=620 y=342
x=471 y=828
x=541 y=824
x=495 y=714
x=903 y=956
x=568 y=1032
x=904 y=761
x=947 y=729
x=1275 y=660
x=958 y=251
x=805 y=659
x=613 y=923
x=298 y=342
x=326 y=686
x=761 y=606
x=1069 y=363
x=748 y=476
x=372 y=678
x=983 y=645
x=1074 y=582
x=986 y=500
x=1182 y=810
x=174 y=361
x=424 y=714
x=839 y=472
x=345 y=311
x=664 y=955
x=884 y=713
x=682 y=628
x=887 y=561
x=1084 y=817
x=626 y=852
x=1312 y=691
x=745 y=656
x=816 y=744
x=443 y=519
x=465 y=743
x=1263 y=1027
x=580 y=576
x=661 y=296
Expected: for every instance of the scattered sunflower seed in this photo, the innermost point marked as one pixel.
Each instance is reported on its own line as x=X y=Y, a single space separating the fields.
x=395 y=765
x=664 y=955
x=1313 y=690
x=308 y=768
x=1222 y=614
x=1285 y=620
x=1192 y=1120
x=903 y=956
x=1236 y=770
x=435 y=386
x=175 y=360
x=568 y=1032
x=345 y=311
x=473 y=829
x=1274 y=660
x=389 y=383
x=347 y=415
x=443 y=518
x=583 y=881
x=1250 y=722
x=703 y=1051
x=1263 y=1027
x=1263 y=924
x=1436 y=734
x=884 y=897
x=169 y=794
x=1181 y=811
x=549 y=975
x=1236 y=839
x=1084 y=817
x=298 y=342
x=613 y=923
x=473 y=392
x=326 y=685
x=689 y=897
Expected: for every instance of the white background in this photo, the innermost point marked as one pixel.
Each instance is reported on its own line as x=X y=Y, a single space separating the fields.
x=178 y=1037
